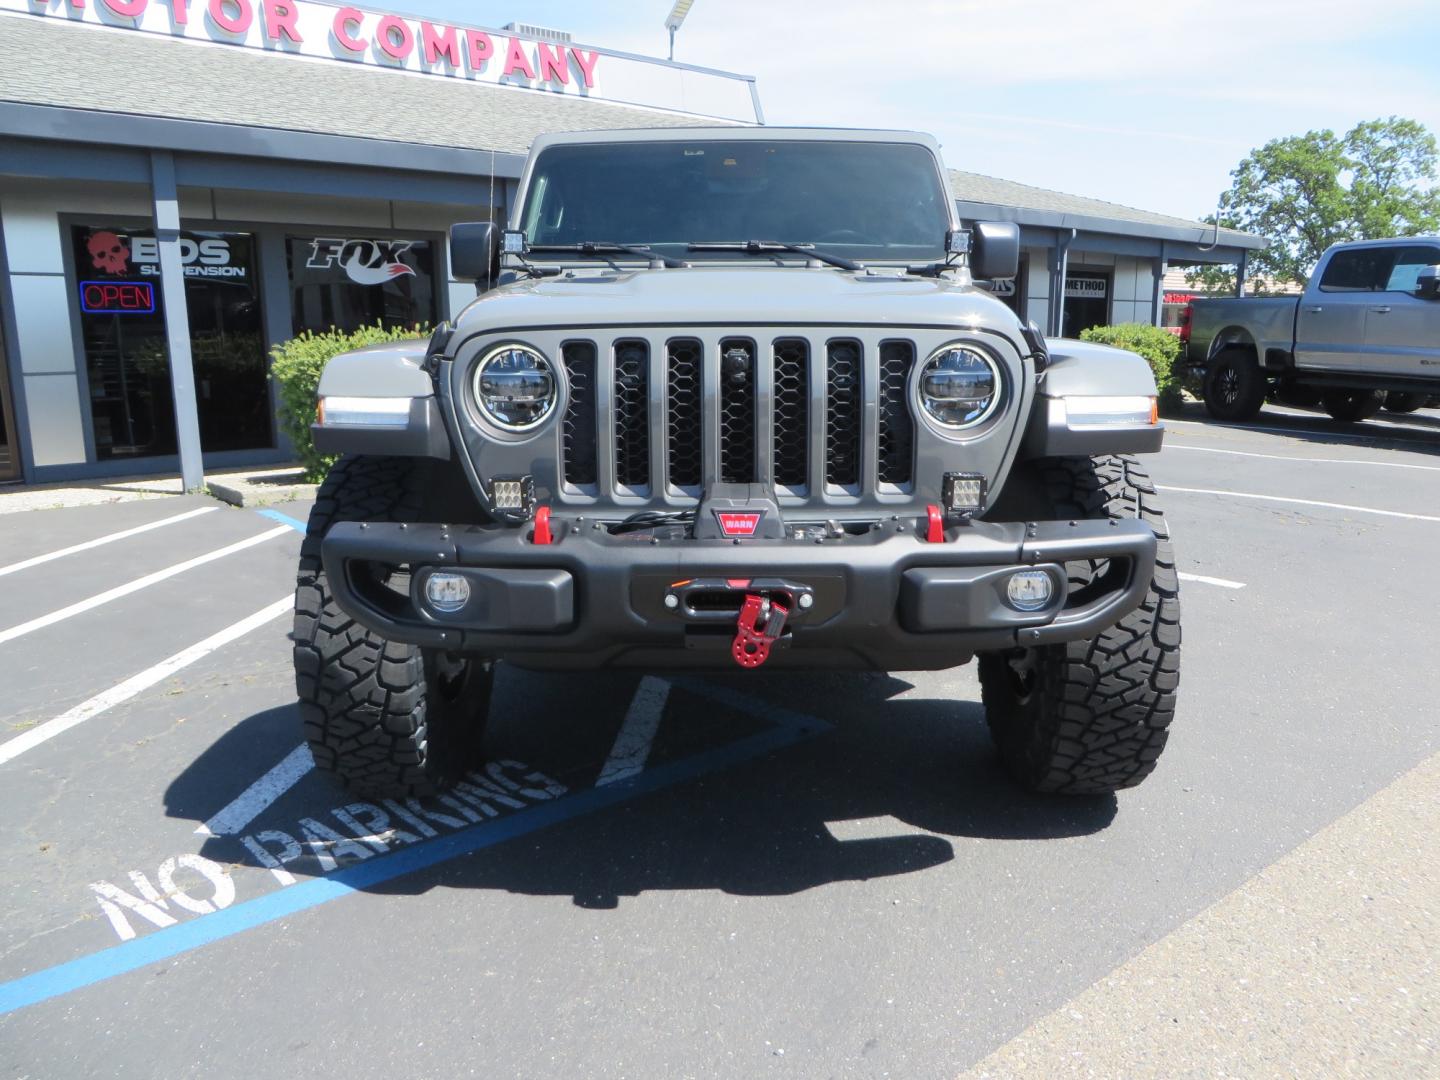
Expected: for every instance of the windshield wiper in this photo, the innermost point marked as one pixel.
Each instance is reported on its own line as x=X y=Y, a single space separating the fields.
x=606 y=247
x=767 y=247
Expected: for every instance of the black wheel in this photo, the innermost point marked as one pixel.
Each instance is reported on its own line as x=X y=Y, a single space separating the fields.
x=1351 y=406
x=1234 y=385
x=1398 y=402
x=1090 y=717
x=388 y=719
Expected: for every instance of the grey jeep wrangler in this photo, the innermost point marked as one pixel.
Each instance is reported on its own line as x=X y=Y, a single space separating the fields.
x=736 y=397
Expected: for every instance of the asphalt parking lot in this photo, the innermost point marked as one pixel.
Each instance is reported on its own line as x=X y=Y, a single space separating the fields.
x=744 y=875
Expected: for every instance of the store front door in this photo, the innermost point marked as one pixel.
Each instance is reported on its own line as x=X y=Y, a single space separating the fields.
x=1087 y=302
x=122 y=318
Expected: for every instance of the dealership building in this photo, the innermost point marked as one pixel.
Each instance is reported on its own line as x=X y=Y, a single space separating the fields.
x=186 y=183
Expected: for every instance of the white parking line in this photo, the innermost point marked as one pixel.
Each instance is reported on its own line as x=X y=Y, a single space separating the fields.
x=25 y=564
x=1316 y=460
x=1384 y=435
x=139 y=583
x=247 y=806
x=632 y=744
x=136 y=683
x=1224 y=583
x=1299 y=502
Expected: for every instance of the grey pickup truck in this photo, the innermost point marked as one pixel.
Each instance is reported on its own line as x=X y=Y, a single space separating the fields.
x=733 y=399
x=1365 y=333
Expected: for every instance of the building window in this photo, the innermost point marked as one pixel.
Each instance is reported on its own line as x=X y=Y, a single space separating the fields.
x=349 y=282
x=1087 y=302
x=122 y=320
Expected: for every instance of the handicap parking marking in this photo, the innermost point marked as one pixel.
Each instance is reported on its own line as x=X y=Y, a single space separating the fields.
x=285 y=519
x=194 y=900
x=637 y=731
x=254 y=800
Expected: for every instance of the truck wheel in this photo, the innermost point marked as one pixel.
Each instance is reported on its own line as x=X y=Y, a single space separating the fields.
x=388 y=719
x=1092 y=716
x=1349 y=406
x=1234 y=386
x=1398 y=402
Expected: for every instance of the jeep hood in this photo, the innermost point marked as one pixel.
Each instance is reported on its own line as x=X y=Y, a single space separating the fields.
x=732 y=296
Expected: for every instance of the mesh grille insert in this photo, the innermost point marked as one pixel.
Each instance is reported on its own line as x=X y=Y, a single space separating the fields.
x=632 y=421
x=737 y=410
x=842 y=413
x=792 y=404
x=897 y=427
x=579 y=425
x=683 y=419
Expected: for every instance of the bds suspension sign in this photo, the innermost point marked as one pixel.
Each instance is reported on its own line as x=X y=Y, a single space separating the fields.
x=349 y=34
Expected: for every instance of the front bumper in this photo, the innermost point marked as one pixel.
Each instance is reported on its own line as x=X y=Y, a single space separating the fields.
x=884 y=600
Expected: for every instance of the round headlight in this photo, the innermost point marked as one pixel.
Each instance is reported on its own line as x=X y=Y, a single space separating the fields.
x=515 y=387
x=959 y=387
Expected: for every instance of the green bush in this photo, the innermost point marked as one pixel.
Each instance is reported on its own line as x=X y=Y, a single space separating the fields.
x=297 y=367
x=1160 y=348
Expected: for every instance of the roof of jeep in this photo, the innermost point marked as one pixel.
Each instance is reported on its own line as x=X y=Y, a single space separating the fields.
x=736 y=134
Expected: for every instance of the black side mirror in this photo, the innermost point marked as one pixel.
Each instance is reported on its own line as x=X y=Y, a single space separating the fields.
x=1427 y=285
x=994 y=249
x=475 y=252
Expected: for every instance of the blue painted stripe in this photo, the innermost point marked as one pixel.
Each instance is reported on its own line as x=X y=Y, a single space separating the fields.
x=284 y=519
x=183 y=937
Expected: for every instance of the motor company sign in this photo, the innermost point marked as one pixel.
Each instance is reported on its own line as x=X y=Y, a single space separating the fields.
x=346 y=33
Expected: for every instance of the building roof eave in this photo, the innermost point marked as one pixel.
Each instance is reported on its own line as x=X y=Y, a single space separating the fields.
x=1198 y=234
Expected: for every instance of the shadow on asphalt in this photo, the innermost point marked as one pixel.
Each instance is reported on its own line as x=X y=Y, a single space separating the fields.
x=1412 y=432
x=758 y=828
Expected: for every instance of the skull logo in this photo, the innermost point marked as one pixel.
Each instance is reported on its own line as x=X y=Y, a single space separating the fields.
x=108 y=252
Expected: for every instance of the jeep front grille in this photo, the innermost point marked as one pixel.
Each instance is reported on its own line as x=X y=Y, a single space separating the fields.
x=651 y=418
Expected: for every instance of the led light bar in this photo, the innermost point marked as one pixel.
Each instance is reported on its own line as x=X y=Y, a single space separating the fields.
x=1083 y=412
x=963 y=494
x=364 y=411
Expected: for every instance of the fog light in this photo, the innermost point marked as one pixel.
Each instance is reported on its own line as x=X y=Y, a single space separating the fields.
x=1028 y=590
x=447 y=592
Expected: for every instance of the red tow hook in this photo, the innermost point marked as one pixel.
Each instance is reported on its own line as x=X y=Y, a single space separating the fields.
x=543 y=535
x=762 y=621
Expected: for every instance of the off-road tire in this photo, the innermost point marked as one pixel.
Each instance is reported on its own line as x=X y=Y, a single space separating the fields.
x=389 y=719
x=1234 y=387
x=1398 y=401
x=1092 y=716
x=1351 y=406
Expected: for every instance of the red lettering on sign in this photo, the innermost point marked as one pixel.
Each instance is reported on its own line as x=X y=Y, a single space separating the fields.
x=553 y=64
x=235 y=24
x=587 y=64
x=280 y=18
x=180 y=12
x=340 y=27
x=438 y=42
x=516 y=60
x=394 y=37
x=127 y=9
x=480 y=48
x=102 y=297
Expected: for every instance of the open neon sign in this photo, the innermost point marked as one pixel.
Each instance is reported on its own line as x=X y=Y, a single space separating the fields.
x=117 y=297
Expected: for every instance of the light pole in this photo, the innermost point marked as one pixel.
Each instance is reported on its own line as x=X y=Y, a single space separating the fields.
x=675 y=18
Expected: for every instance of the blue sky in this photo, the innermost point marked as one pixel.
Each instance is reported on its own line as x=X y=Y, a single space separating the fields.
x=1143 y=103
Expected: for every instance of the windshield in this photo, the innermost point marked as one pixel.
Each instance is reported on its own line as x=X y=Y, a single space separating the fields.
x=875 y=202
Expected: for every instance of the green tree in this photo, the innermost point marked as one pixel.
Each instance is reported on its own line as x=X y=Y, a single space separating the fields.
x=1306 y=192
